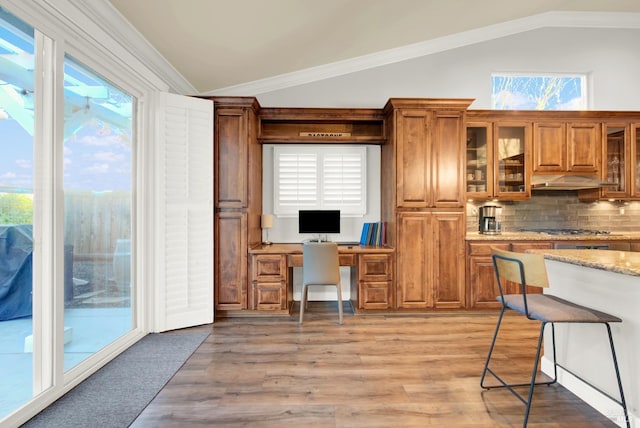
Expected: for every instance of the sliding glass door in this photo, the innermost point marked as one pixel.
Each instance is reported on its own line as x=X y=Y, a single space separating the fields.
x=16 y=212
x=66 y=214
x=97 y=212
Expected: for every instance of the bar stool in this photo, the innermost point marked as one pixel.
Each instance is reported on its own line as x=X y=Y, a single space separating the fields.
x=529 y=270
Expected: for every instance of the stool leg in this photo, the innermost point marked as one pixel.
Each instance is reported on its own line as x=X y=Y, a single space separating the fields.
x=533 y=376
x=623 y=403
x=493 y=342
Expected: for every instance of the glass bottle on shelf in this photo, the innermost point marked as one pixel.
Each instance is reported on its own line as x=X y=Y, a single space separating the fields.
x=478 y=171
x=510 y=158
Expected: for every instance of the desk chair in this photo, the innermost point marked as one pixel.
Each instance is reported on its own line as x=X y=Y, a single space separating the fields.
x=529 y=270
x=320 y=266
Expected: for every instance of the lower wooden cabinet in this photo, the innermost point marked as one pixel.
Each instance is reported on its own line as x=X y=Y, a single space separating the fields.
x=231 y=257
x=374 y=277
x=269 y=282
x=430 y=260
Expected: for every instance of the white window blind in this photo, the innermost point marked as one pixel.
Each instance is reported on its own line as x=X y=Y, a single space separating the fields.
x=319 y=177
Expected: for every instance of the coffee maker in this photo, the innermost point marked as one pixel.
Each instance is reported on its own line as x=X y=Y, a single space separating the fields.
x=490 y=220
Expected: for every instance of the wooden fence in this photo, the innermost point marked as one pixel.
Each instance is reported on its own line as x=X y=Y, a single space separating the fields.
x=95 y=221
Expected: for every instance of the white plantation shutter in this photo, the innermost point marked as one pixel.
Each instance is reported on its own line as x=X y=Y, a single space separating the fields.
x=342 y=181
x=319 y=177
x=297 y=181
x=184 y=277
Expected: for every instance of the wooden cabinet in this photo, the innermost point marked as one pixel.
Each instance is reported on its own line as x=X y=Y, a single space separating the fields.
x=237 y=197
x=501 y=170
x=482 y=286
x=231 y=260
x=374 y=280
x=428 y=150
x=424 y=210
x=269 y=282
x=566 y=147
x=430 y=249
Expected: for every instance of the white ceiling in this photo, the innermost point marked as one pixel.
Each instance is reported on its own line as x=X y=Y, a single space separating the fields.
x=217 y=45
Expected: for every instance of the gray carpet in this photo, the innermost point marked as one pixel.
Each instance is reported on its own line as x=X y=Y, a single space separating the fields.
x=117 y=393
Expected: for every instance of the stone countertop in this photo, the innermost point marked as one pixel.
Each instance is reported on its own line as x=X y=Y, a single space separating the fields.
x=624 y=262
x=534 y=236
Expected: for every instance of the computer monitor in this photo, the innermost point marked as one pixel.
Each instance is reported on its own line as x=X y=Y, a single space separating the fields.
x=319 y=221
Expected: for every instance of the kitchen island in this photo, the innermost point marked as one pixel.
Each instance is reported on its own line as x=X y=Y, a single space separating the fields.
x=609 y=281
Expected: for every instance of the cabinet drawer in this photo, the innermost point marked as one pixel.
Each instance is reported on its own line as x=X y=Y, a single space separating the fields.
x=374 y=267
x=484 y=249
x=374 y=295
x=269 y=296
x=521 y=247
x=269 y=267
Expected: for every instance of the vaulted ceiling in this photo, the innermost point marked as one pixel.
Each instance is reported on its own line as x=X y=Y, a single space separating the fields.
x=216 y=44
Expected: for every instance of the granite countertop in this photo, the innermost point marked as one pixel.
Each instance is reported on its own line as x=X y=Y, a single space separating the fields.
x=534 y=236
x=624 y=262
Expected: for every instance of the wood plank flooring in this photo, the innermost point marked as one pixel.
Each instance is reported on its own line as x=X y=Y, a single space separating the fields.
x=373 y=371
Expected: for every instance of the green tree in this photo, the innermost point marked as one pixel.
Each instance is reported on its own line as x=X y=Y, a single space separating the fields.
x=16 y=208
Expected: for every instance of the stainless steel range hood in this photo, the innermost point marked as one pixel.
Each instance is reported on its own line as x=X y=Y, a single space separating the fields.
x=567 y=182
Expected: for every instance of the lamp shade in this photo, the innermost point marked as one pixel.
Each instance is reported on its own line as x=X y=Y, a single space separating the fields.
x=266 y=221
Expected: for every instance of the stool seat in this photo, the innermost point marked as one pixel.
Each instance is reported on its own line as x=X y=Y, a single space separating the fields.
x=554 y=309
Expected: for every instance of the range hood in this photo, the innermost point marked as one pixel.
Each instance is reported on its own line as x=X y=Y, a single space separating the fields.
x=567 y=182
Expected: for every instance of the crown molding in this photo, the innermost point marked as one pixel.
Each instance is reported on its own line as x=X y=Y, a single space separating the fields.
x=618 y=20
x=110 y=20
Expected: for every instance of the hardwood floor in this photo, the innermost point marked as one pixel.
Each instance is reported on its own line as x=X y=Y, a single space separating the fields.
x=373 y=371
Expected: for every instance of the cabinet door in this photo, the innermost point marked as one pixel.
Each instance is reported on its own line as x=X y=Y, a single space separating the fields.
x=413 y=158
x=414 y=263
x=231 y=137
x=479 y=161
x=374 y=281
x=231 y=255
x=583 y=147
x=482 y=287
x=448 y=264
x=512 y=162
x=634 y=156
x=447 y=178
x=549 y=147
x=615 y=157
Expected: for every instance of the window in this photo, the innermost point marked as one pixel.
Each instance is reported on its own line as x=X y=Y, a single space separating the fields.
x=538 y=91
x=319 y=177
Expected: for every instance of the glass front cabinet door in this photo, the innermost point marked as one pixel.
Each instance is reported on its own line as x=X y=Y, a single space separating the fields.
x=512 y=170
x=615 y=161
x=479 y=168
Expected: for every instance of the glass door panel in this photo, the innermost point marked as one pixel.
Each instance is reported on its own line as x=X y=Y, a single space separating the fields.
x=478 y=168
x=636 y=165
x=97 y=212
x=615 y=161
x=16 y=212
x=511 y=161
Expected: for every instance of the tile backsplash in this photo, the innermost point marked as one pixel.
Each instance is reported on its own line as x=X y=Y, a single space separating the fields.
x=561 y=209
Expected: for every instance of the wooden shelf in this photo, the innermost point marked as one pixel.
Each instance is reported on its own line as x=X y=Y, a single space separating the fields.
x=332 y=126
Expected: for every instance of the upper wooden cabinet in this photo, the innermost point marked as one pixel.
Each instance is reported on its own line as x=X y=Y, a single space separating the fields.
x=428 y=146
x=566 y=147
x=497 y=160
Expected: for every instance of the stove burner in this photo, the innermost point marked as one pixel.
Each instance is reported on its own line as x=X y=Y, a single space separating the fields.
x=568 y=231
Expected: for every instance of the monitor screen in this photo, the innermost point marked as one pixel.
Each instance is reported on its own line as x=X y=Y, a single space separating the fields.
x=319 y=221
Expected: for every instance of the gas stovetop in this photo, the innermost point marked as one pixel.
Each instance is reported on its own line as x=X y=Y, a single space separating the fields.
x=568 y=231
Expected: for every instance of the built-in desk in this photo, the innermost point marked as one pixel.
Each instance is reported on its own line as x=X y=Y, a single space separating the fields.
x=271 y=276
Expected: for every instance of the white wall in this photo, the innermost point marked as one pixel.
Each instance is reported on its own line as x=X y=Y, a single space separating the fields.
x=610 y=56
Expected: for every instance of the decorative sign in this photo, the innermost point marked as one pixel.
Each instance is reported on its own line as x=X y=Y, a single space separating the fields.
x=325 y=134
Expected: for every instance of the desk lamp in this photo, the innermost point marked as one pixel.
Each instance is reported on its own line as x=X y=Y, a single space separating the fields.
x=266 y=222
